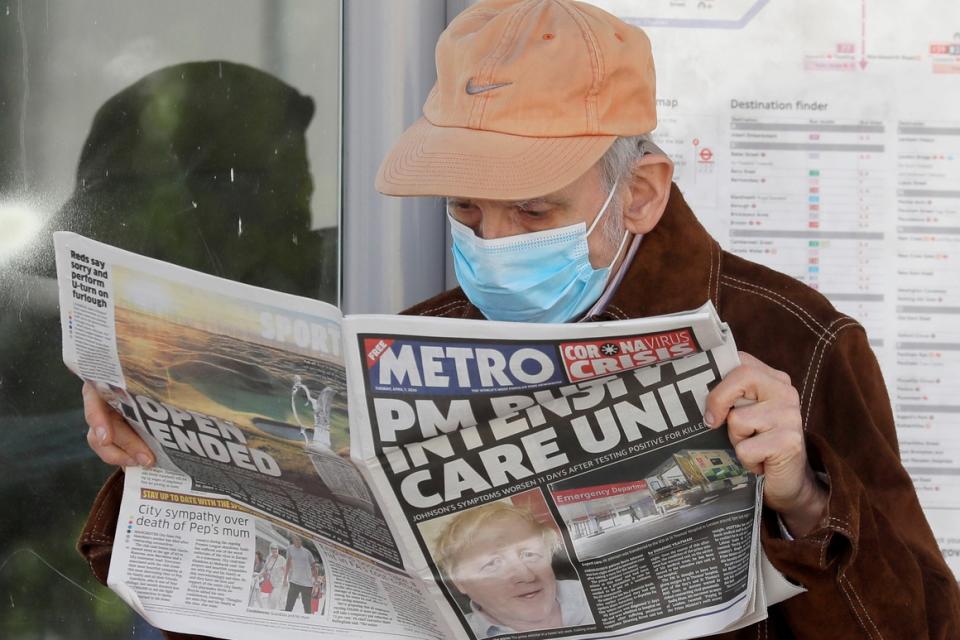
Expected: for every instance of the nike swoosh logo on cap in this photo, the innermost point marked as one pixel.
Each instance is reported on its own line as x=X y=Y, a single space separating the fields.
x=473 y=89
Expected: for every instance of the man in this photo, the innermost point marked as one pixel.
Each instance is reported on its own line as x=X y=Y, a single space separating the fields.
x=561 y=212
x=501 y=558
x=298 y=575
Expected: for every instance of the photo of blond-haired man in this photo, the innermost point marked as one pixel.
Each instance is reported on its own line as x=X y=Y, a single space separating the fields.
x=501 y=559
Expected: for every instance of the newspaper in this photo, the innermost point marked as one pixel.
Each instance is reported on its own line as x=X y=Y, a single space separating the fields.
x=412 y=477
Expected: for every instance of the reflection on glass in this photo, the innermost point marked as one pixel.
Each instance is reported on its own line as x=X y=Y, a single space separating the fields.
x=196 y=152
x=204 y=164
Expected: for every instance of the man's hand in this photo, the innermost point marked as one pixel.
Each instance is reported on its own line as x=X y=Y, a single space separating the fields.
x=767 y=436
x=110 y=436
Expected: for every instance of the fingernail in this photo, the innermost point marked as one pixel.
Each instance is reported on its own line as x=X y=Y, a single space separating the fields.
x=143 y=459
x=129 y=462
x=708 y=419
x=101 y=435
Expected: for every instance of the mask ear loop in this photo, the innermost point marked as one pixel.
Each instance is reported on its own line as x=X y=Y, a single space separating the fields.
x=616 y=256
x=603 y=209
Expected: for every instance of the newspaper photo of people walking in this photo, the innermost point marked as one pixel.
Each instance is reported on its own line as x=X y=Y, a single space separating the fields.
x=288 y=572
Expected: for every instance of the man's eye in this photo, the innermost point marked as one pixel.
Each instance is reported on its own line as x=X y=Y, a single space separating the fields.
x=531 y=556
x=532 y=213
x=491 y=566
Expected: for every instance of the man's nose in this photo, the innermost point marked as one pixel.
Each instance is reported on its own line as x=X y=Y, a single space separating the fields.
x=520 y=572
x=497 y=224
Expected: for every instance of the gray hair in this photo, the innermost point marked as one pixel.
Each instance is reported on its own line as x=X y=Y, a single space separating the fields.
x=619 y=159
x=617 y=164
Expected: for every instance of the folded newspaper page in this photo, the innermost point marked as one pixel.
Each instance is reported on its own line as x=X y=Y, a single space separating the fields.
x=407 y=477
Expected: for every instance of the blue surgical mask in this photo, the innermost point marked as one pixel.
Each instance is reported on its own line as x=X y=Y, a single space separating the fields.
x=545 y=276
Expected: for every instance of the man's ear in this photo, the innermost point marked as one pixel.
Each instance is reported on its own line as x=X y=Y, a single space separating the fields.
x=646 y=196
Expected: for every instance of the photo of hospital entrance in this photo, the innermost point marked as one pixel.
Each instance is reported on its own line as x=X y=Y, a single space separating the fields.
x=686 y=487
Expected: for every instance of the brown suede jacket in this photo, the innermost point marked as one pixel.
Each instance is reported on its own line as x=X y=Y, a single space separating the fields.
x=872 y=568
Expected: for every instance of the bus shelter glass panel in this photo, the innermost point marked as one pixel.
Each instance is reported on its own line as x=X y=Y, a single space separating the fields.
x=201 y=133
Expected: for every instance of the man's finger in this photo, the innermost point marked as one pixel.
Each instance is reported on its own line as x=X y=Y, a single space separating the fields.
x=779 y=449
x=110 y=437
x=773 y=450
x=746 y=381
x=97 y=414
x=127 y=439
x=780 y=455
x=745 y=422
x=109 y=453
x=123 y=446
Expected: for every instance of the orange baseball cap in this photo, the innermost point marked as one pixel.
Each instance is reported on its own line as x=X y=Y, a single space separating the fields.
x=529 y=95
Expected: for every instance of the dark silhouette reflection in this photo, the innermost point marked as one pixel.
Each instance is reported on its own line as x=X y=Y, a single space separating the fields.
x=203 y=165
